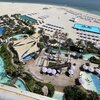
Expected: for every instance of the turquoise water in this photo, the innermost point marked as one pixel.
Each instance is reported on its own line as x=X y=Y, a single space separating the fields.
x=19 y=36
x=58 y=95
x=21 y=85
x=5 y=79
x=85 y=56
x=92 y=81
x=88 y=56
x=96 y=81
x=56 y=51
x=87 y=28
x=26 y=18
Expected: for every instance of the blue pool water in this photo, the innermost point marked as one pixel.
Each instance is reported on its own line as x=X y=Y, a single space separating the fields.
x=96 y=81
x=88 y=56
x=19 y=36
x=87 y=28
x=27 y=18
x=58 y=95
x=5 y=79
x=21 y=85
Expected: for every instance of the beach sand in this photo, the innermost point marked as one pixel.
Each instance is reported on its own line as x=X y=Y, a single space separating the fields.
x=55 y=15
x=11 y=8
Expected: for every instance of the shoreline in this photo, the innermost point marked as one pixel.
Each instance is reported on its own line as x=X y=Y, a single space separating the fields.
x=86 y=12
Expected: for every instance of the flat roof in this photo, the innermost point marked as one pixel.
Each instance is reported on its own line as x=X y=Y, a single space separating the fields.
x=11 y=93
x=83 y=27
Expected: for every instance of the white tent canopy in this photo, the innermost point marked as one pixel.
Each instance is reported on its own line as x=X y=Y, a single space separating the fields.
x=72 y=67
x=81 y=80
x=97 y=70
x=91 y=69
x=54 y=71
x=85 y=67
x=44 y=69
x=70 y=71
x=49 y=70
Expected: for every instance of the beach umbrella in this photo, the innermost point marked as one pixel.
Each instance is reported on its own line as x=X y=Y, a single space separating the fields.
x=49 y=70
x=81 y=80
x=85 y=67
x=54 y=71
x=97 y=70
x=44 y=69
x=73 y=67
x=70 y=71
x=91 y=69
x=73 y=53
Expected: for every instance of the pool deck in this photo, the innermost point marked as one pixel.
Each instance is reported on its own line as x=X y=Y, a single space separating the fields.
x=89 y=84
x=16 y=94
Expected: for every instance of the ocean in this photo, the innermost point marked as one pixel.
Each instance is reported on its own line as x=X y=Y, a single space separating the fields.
x=92 y=6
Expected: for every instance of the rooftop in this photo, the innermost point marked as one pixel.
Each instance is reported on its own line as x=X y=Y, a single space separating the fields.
x=16 y=94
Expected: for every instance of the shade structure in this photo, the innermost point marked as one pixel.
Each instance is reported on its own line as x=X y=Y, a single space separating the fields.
x=85 y=67
x=49 y=71
x=91 y=69
x=81 y=80
x=97 y=70
x=70 y=71
x=44 y=69
x=54 y=71
x=73 y=67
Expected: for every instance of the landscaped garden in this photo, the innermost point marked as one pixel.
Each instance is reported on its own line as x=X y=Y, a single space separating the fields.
x=31 y=83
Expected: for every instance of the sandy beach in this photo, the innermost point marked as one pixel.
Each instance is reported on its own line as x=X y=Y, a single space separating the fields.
x=55 y=15
x=11 y=8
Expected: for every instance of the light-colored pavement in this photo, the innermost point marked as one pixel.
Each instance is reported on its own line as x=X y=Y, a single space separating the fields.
x=10 y=93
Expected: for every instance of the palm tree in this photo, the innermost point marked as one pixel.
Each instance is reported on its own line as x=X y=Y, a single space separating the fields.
x=80 y=44
x=68 y=43
x=90 y=45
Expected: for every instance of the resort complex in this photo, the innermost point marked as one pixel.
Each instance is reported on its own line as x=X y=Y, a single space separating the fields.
x=48 y=53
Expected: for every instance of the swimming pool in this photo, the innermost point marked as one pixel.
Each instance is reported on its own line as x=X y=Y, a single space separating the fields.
x=87 y=28
x=58 y=95
x=96 y=81
x=21 y=85
x=19 y=36
x=88 y=56
x=6 y=79
x=28 y=19
x=92 y=82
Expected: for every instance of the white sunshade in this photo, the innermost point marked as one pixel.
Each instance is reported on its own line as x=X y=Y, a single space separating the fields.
x=54 y=71
x=44 y=69
x=85 y=67
x=81 y=80
x=97 y=70
x=91 y=69
x=70 y=71
x=49 y=70
x=73 y=67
